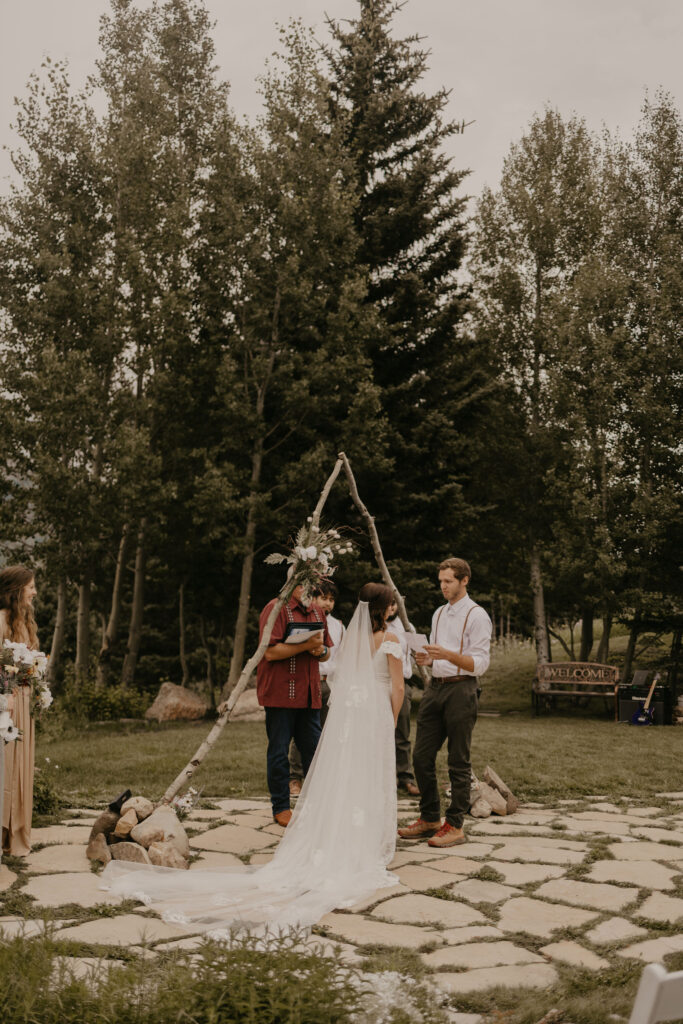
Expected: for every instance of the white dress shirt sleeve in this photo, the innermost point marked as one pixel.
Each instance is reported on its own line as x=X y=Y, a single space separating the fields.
x=478 y=640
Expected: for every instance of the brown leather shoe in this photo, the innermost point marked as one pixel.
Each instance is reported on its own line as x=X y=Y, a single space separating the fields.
x=448 y=835
x=409 y=787
x=282 y=818
x=419 y=828
x=295 y=787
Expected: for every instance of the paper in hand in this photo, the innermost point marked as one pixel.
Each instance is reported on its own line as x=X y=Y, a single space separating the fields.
x=301 y=632
x=416 y=641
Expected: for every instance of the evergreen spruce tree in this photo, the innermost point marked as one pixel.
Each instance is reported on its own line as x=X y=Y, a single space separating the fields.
x=411 y=223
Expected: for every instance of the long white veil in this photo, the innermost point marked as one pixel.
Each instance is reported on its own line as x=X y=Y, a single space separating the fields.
x=341 y=838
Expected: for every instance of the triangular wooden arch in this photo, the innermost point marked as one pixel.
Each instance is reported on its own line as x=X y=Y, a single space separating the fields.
x=227 y=706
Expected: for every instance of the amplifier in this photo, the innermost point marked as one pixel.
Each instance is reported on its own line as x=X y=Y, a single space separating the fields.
x=630 y=697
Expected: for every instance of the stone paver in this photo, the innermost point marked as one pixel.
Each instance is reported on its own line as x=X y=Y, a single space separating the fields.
x=455 y=865
x=481 y=954
x=418 y=877
x=604 y=826
x=616 y=929
x=521 y=976
x=531 y=851
x=7 y=877
x=232 y=839
x=642 y=851
x=474 y=890
x=505 y=827
x=658 y=907
x=60 y=834
x=369 y=931
x=230 y=804
x=667 y=834
x=587 y=894
x=58 y=858
x=473 y=953
x=251 y=820
x=125 y=930
x=378 y=896
x=11 y=927
x=415 y=909
x=542 y=919
x=636 y=872
x=56 y=890
x=653 y=950
x=456 y=936
x=525 y=874
x=205 y=815
x=214 y=859
x=575 y=955
x=84 y=968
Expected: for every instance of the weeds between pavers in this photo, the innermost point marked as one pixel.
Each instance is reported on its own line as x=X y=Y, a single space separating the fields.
x=250 y=981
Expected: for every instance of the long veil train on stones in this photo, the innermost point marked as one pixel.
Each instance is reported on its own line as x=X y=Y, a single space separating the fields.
x=336 y=849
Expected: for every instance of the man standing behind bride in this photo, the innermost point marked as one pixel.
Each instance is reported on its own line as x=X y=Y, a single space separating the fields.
x=458 y=652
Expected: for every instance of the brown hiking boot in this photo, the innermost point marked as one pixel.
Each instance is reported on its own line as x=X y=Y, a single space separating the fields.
x=448 y=835
x=282 y=818
x=419 y=828
x=294 y=787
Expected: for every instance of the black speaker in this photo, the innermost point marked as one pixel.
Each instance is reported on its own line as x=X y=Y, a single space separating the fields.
x=630 y=698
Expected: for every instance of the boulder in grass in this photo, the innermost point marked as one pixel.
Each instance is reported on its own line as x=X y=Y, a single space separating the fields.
x=104 y=825
x=162 y=826
x=165 y=855
x=141 y=805
x=130 y=851
x=125 y=823
x=176 y=703
x=98 y=850
x=248 y=709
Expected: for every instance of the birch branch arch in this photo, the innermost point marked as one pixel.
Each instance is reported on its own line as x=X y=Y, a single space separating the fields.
x=226 y=708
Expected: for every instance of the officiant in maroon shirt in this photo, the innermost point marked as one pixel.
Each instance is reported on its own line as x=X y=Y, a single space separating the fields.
x=288 y=687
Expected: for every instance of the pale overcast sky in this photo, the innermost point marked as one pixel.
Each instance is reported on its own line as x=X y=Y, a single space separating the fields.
x=501 y=59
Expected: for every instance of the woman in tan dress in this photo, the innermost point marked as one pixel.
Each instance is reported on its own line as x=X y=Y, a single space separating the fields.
x=17 y=590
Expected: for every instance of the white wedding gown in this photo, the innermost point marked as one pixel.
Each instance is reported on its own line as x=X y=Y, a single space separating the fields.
x=342 y=835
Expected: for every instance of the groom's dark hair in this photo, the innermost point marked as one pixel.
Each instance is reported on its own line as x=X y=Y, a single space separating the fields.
x=378 y=597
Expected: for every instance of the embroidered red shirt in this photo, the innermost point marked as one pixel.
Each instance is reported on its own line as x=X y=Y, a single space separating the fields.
x=292 y=682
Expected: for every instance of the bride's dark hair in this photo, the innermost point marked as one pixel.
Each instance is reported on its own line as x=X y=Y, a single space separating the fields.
x=378 y=597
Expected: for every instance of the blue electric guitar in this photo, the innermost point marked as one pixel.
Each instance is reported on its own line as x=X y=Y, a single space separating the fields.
x=645 y=715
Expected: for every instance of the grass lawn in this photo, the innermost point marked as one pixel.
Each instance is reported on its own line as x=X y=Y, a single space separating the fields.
x=567 y=753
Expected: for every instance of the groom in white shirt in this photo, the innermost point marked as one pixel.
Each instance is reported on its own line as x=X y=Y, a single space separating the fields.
x=458 y=653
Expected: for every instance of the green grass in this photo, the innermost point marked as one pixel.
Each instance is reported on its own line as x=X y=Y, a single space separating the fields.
x=569 y=752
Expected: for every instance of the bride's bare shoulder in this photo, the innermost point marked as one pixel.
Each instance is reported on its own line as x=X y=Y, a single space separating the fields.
x=391 y=637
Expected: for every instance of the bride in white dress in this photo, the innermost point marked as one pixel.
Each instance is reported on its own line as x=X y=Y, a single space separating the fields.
x=342 y=835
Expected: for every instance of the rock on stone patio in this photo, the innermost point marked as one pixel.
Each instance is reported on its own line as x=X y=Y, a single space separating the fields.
x=474 y=915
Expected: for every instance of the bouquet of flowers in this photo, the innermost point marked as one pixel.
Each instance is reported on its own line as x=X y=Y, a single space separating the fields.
x=312 y=554
x=20 y=666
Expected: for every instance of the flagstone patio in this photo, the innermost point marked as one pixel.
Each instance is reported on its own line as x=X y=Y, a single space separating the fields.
x=585 y=886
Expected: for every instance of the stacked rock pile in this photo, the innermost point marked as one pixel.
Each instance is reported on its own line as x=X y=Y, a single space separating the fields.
x=491 y=795
x=142 y=833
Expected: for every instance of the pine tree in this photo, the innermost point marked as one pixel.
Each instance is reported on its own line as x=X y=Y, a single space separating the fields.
x=411 y=222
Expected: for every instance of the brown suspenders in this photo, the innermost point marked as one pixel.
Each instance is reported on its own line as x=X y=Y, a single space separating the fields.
x=464 y=627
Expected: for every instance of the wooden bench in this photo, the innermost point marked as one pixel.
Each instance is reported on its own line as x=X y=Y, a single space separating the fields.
x=575 y=679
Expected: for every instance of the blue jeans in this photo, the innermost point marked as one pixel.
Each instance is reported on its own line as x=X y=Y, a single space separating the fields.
x=282 y=725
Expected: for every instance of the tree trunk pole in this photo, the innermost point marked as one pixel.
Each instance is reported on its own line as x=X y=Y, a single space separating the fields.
x=540 y=633
x=58 y=635
x=83 y=628
x=181 y=638
x=377 y=548
x=225 y=709
x=112 y=628
x=135 y=630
